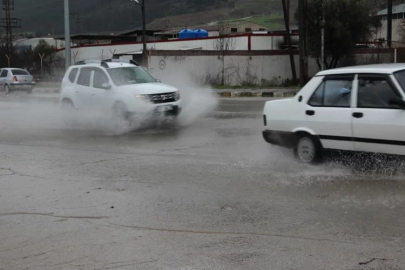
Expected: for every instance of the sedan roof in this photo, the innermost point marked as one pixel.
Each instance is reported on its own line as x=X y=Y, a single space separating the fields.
x=379 y=69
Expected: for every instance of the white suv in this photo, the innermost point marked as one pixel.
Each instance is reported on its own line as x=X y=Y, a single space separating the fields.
x=359 y=109
x=119 y=88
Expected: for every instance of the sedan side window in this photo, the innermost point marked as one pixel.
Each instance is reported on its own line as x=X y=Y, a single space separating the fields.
x=4 y=73
x=84 y=77
x=376 y=92
x=100 y=79
x=333 y=93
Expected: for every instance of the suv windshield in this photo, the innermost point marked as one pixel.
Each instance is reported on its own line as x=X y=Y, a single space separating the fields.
x=400 y=76
x=130 y=75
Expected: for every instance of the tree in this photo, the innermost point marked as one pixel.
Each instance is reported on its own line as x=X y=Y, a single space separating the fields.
x=48 y=52
x=347 y=22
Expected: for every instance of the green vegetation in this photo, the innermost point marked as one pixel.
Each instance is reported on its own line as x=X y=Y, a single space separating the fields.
x=274 y=21
x=119 y=15
x=347 y=22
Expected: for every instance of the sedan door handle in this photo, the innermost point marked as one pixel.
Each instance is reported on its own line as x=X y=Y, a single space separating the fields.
x=310 y=113
x=358 y=115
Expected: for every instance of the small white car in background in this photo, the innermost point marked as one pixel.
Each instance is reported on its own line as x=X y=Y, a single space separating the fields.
x=117 y=88
x=357 y=109
x=12 y=79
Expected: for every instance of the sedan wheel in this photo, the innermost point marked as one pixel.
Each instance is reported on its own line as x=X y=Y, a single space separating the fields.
x=308 y=150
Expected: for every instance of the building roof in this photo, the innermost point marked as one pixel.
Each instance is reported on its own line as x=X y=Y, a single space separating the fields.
x=379 y=68
x=395 y=10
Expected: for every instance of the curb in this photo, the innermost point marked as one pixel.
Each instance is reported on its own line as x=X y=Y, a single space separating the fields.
x=282 y=94
x=46 y=91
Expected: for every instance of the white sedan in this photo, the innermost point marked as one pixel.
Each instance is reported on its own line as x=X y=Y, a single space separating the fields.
x=357 y=109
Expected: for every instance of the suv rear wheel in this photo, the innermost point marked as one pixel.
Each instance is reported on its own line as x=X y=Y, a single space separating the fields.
x=68 y=110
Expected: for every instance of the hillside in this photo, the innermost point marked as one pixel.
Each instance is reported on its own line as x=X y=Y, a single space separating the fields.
x=46 y=16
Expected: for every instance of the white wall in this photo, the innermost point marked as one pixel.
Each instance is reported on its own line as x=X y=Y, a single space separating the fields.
x=396 y=32
x=231 y=70
x=106 y=51
x=33 y=42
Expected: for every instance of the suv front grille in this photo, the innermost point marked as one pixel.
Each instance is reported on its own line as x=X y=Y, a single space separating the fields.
x=163 y=98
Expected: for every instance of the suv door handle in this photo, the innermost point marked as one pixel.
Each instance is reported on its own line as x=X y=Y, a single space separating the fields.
x=358 y=115
x=310 y=112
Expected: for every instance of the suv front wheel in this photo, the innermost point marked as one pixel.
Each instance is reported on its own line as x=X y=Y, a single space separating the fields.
x=120 y=117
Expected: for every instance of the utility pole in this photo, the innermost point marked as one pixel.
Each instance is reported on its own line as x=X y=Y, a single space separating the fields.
x=9 y=34
x=9 y=23
x=389 y=24
x=323 y=39
x=145 y=49
x=68 y=53
x=287 y=29
x=302 y=34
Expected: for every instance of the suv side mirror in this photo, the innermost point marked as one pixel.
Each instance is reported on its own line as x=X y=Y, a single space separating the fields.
x=397 y=101
x=106 y=86
x=158 y=81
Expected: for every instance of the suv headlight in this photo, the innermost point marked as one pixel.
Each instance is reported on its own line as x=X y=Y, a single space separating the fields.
x=177 y=95
x=143 y=97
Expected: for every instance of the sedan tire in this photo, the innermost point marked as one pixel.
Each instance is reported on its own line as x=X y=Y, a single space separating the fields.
x=308 y=149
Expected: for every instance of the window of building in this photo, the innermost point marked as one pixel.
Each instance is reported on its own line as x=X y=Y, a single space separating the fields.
x=234 y=30
x=248 y=30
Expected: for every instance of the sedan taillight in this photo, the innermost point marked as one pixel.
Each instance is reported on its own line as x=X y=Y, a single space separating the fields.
x=15 y=79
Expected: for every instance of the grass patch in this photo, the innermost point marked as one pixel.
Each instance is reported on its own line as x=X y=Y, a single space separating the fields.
x=270 y=21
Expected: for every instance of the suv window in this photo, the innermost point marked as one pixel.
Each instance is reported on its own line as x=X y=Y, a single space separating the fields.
x=72 y=75
x=84 y=77
x=99 y=78
x=376 y=92
x=333 y=93
x=4 y=73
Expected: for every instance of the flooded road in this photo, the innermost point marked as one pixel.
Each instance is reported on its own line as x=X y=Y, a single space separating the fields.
x=208 y=194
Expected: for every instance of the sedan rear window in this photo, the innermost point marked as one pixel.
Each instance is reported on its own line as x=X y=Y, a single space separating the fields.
x=19 y=72
x=333 y=93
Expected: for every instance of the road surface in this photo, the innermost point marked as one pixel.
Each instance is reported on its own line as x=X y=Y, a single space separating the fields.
x=208 y=193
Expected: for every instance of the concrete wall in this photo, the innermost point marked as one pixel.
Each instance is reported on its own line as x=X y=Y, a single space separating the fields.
x=238 y=68
x=237 y=43
x=396 y=32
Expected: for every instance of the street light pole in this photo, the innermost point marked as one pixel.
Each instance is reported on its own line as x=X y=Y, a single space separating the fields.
x=68 y=53
x=144 y=52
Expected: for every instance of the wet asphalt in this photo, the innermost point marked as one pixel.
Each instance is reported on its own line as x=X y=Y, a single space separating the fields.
x=205 y=193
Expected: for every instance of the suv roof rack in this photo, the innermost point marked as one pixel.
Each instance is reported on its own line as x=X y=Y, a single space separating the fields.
x=127 y=61
x=104 y=64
